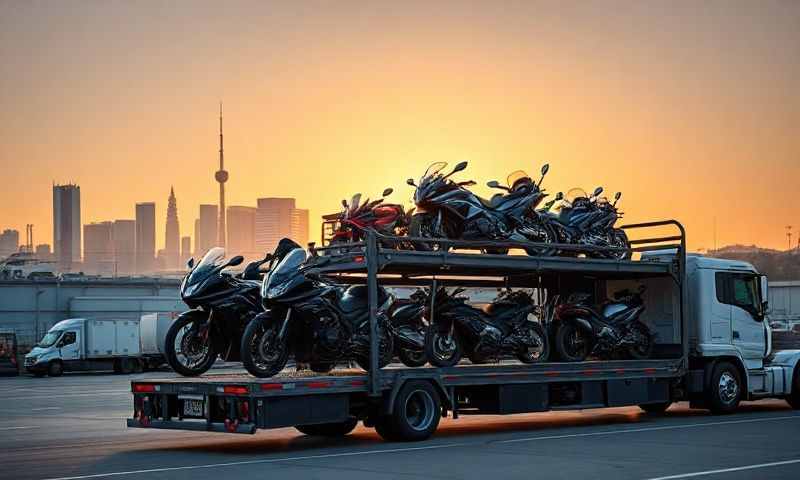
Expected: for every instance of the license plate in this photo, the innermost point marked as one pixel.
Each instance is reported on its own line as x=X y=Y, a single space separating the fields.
x=193 y=408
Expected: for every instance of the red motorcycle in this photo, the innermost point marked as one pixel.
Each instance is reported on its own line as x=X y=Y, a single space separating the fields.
x=385 y=218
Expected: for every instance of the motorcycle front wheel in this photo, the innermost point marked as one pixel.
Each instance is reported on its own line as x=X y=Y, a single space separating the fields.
x=573 y=343
x=412 y=358
x=263 y=355
x=385 y=351
x=617 y=238
x=540 y=350
x=642 y=346
x=188 y=347
x=441 y=348
x=421 y=226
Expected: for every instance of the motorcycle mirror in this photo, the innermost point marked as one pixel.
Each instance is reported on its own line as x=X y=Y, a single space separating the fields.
x=344 y=203
x=493 y=184
x=410 y=181
x=459 y=167
x=617 y=195
x=545 y=169
x=237 y=260
x=597 y=191
x=388 y=192
x=190 y=263
x=560 y=196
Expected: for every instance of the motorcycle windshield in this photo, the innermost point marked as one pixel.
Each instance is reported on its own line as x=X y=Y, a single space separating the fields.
x=283 y=271
x=210 y=261
x=575 y=193
x=433 y=169
x=517 y=176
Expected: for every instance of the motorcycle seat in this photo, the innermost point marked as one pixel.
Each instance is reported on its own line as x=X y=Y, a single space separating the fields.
x=488 y=203
x=357 y=297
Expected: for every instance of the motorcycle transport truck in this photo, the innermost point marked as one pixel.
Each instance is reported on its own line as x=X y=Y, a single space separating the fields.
x=711 y=347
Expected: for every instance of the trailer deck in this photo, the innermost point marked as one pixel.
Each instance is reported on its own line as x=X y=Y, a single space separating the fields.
x=242 y=403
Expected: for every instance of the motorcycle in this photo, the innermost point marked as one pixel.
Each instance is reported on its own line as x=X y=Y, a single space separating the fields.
x=385 y=218
x=504 y=328
x=582 y=330
x=408 y=328
x=588 y=220
x=447 y=209
x=221 y=305
x=320 y=322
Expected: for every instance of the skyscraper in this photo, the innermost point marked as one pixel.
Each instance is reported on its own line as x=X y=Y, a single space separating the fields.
x=9 y=242
x=145 y=237
x=277 y=218
x=67 y=225
x=206 y=236
x=221 y=176
x=173 y=233
x=242 y=232
x=186 y=250
x=124 y=239
x=98 y=249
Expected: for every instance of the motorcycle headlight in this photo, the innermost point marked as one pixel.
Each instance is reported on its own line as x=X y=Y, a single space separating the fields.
x=189 y=290
x=277 y=290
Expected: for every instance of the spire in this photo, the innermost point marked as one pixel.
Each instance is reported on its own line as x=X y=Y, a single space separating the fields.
x=221 y=149
x=221 y=177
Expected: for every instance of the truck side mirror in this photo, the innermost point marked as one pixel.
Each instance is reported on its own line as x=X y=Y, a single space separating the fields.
x=764 y=284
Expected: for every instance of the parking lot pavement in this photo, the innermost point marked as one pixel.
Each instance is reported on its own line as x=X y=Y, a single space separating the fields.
x=73 y=427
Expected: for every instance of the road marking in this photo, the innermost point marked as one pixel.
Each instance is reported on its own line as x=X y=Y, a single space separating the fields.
x=44 y=408
x=63 y=395
x=256 y=462
x=649 y=429
x=412 y=449
x=727 y=470
x=18 y=428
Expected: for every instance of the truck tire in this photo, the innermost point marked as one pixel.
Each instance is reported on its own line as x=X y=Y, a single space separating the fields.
x=416 y=413
x=336 y=429
x=724 y=389
x=383 y=426
x=794 y=397
x=55 y=368
x=655 y=408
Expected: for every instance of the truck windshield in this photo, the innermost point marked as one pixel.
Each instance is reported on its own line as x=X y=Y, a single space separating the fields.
x=51 y=338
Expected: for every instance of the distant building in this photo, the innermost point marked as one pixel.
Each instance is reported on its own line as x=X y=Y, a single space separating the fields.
x=242 y=232
x=124 y=239
x=67 y=225
x=43 y=251
x=9 y=242
x=98 y=249
x=206 y=236
x=173 y=234
x=277 y=218
x=186 y=251
x=145 y=237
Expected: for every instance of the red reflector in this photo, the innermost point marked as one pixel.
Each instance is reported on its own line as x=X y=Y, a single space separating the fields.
x=271 y=386
x=551 y=374
x=358 y=383
x=589 y=372
x=359 y=259
x=649 y=370
x=143 y=388
x=620 y=371
x=318 y=384
x=235 y=389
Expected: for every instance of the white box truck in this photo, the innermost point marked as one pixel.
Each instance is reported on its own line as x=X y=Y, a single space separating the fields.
x=81 y=344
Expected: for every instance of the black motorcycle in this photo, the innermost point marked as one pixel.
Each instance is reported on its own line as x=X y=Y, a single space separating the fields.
x=408 y=328
x=447 y=209
x=320 y=322
x=504 y=328
x=221 y=305
x=581 y=219
x=611 y=331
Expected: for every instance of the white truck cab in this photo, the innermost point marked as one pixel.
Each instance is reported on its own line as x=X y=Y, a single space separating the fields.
x=730 y=341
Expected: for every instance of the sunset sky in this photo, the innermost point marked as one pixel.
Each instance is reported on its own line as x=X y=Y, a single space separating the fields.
x=691 y=109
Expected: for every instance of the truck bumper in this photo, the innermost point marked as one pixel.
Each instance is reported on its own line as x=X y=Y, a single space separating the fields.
x=191 y=426
x=36 y=368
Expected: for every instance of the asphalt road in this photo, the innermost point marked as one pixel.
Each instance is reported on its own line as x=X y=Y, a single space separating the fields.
x=73 y=427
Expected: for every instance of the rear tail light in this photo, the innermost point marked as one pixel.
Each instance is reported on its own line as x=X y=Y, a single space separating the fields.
x=235 y=389
x=143 y=388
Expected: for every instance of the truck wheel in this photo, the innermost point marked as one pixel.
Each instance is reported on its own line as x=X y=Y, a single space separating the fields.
x=336 y=429
x=417 y=410
x=724 y=391
x=794 y=397
x=383 y=426
x=655 y=408
x=55 y=368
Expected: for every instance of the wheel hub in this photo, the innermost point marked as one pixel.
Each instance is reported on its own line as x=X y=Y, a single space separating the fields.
x=728 y=387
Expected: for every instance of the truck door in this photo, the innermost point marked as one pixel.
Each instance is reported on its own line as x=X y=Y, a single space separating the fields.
x=69 y=345
x=740 y=291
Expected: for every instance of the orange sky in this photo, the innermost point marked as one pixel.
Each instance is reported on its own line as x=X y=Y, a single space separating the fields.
x=690 y=109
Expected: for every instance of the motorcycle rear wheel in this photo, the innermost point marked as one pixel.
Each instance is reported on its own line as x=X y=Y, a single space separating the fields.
x=547 y=236
x=572 y=342
x=642 y=350
x=538 y=354
x=619 y=239
x=385 y=352
x=262 y=354
x=412 y=358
